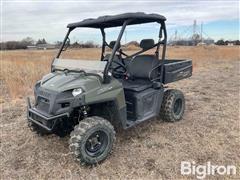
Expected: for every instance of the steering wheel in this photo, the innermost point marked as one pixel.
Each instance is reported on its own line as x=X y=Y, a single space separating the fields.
x=120 y=70
x=121 y=52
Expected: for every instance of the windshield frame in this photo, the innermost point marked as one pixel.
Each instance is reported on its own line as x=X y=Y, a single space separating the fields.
x=92 y=66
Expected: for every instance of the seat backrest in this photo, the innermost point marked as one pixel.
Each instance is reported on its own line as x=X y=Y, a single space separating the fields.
x=146 y=44
x=112 y=44
x=144 y=67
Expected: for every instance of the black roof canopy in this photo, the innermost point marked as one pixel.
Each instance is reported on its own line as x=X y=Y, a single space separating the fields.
x=118 y=20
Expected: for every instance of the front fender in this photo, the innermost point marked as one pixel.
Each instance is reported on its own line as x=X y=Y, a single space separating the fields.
x=112 y=92
x=108 y=92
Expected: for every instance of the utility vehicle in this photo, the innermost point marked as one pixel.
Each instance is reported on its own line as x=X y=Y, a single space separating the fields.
x=88 y=99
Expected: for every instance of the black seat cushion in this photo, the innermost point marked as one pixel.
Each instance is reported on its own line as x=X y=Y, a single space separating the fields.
x=136 y=85
x=141 y=70
x=144 y=67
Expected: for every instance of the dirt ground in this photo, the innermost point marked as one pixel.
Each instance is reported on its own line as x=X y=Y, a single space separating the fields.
x=209 y=131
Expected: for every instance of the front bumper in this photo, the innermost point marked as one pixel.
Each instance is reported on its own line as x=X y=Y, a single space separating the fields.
x=48 y=122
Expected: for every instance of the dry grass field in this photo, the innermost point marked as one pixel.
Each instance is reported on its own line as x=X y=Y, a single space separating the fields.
x=22 y=68
x=209 y=130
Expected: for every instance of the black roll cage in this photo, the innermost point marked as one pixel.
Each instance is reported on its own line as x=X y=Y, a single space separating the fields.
x=106 y=77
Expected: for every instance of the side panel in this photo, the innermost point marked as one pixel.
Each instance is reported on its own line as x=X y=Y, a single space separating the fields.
x=143 y=105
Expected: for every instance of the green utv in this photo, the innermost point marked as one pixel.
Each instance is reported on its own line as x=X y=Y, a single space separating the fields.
x=89 y=98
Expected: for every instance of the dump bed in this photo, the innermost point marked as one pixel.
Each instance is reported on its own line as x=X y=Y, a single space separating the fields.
x=175 y=70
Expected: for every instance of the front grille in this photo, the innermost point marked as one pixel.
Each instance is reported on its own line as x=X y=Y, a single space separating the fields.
x=43 y=104
x=43 y=121
x=44 y=94
x=37 y=118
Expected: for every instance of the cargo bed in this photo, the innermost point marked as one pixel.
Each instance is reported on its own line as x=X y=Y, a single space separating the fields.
x=176 y=69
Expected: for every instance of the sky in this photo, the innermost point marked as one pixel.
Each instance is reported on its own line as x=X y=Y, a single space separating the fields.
x=48 y=19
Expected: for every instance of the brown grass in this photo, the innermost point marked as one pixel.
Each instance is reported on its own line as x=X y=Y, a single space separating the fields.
x=154 y=149
x=22 y=68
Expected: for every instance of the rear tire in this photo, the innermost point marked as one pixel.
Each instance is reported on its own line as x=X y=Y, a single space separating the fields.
x=173 y=105
x=91 y=140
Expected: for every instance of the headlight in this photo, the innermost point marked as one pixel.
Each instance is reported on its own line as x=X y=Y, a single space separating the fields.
x=77 y=91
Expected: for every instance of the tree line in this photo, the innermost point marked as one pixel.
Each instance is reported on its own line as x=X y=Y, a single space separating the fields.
x=221 y=42
x=23 y=44
x=26 y=42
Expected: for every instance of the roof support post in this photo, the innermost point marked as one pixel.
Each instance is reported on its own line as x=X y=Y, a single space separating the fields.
x=159 y=40
x=164 y=49
x=103 y=43
x=62 y=45
x=106 y=76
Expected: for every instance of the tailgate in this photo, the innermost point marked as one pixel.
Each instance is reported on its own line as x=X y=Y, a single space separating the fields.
x=175 y=70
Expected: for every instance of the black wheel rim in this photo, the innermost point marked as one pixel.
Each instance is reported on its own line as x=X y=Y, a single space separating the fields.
x=177 y=107
x=96 y=143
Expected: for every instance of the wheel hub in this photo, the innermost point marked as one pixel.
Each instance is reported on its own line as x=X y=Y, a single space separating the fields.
x=96 y=143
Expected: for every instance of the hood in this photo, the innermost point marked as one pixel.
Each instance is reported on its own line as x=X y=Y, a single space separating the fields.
x=60 y=82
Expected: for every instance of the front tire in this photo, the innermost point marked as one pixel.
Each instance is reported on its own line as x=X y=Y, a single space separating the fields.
x=173 y=105
x=91 y=140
